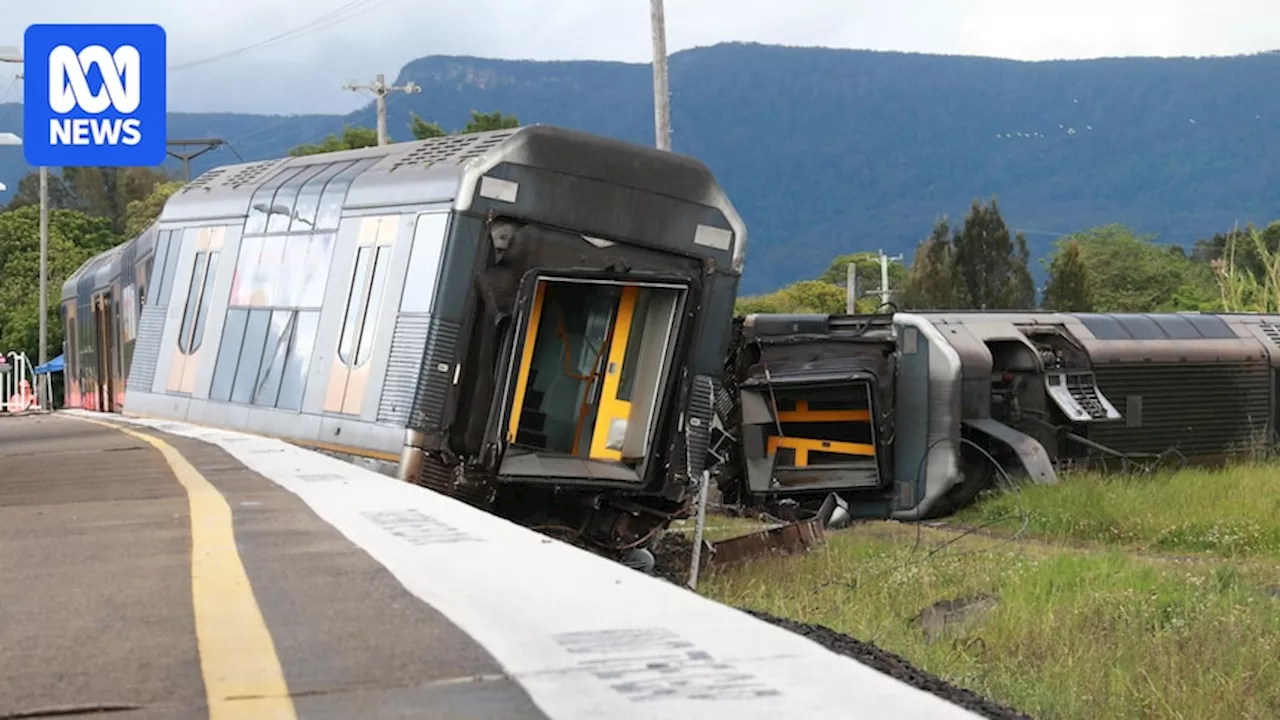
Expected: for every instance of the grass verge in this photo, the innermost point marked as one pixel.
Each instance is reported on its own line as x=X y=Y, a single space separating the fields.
x=1057 y=632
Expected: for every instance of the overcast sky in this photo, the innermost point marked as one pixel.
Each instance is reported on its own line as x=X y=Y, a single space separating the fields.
x=335 y=41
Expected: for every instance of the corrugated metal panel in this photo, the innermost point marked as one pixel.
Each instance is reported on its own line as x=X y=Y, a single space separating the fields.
x=437 y=374
x=404 y=366
x=146 y=352
x=1197 y=409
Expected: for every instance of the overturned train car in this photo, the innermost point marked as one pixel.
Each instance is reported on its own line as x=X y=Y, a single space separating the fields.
x=911 y=415
x=533 y=320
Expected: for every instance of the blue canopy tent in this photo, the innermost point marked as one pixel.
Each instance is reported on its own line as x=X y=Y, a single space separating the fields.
x=53 y=366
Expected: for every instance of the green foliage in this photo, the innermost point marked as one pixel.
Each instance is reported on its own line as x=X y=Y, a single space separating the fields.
x=74 y=237
x=360 y=137
x=479 y=122
x=1128 y=273
x=97 y=192
x=1068 y=289
x=352 y=138
x=980 y=266
x=139 y=214
x=991 y=268
x=867 y=267
x=422 y=129
x=484 y=122
x=807 y=296
x=931 y=280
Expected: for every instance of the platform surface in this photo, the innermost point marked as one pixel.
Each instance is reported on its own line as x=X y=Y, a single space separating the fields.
x=157 y=569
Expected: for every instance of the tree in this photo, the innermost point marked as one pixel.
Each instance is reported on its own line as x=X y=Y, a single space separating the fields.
x=1068 y=289
x=352 y=138
x=484 y=122
x=103 y=192
x=931 y=281
x=360 y=137
x=992 y=270
x=1129 y=273
x=74 y=237
x=867 y=266
x=139 y=214
x=422 y=129
x=805 y=297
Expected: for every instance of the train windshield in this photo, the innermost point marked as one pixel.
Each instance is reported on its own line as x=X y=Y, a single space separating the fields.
x=591 y=368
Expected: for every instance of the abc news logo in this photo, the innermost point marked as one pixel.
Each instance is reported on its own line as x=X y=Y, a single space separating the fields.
x=95 y=95
x=69 y=90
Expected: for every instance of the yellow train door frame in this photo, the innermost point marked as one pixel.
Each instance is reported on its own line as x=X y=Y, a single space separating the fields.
x=609 y=408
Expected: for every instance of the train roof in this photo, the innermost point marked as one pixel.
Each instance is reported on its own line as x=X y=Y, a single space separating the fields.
x=448 y=169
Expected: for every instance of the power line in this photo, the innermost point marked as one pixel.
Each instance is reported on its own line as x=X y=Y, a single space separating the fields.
x=380 y=89
x=329 y=19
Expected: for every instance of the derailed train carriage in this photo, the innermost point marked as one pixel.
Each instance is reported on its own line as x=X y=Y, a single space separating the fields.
x=533 y=320
x=911 y=415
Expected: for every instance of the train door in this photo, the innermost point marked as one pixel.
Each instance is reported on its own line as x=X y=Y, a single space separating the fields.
x=71 y=358
x=590 y=373
x=349 y=377
x=104 y=334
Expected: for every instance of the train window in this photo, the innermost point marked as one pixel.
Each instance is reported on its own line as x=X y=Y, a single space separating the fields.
x=316 y=270
x=294 y=378
x=255 y=336
x=335 y=194
x=304 y=214
x=162 y=253
x=246 y=266
x=294 y=265
x=354 y=300
x=424 y=263
x=171 y=265
x=261 y=206
x=267 y=281
x=224 y=373
x=189 y=312
x=369 y=320
x=286 y=198
x=206 y=295
x=274 y=354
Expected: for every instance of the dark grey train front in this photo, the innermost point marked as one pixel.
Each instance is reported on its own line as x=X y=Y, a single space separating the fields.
x=912 y=415
x=534 y=320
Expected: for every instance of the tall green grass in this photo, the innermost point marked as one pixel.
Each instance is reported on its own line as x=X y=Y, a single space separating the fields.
x=1228 y=512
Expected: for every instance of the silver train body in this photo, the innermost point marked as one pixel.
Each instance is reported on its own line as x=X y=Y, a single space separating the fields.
x=533 y=320
x=911 y=415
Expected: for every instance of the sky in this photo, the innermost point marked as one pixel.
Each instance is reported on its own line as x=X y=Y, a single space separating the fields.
x=307 y=49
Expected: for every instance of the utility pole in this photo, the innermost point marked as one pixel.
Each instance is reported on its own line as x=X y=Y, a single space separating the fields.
x=661 y=91
x=205 y=145
x=380 y=89
x=851 y=290
x=884 y=275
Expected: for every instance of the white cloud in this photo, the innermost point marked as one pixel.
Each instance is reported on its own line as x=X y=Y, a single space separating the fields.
x=305 y=74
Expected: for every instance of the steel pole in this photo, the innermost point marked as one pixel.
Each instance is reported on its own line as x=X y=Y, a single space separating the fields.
x=44 y=279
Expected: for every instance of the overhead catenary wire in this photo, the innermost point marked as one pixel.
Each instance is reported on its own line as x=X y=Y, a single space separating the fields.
x=342 y=13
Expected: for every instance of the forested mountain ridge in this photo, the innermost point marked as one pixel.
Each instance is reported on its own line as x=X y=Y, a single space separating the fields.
x=832 y=151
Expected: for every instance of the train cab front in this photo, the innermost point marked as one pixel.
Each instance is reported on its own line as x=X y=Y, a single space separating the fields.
x=584 y=425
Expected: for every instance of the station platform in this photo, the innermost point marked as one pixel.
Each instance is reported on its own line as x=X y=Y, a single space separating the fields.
x=156 y=569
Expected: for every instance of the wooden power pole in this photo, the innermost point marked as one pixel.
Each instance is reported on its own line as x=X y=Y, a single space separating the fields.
x=380 y=89
x=661 y=90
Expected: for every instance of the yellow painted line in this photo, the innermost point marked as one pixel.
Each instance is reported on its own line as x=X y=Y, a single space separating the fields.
x=242 y=673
